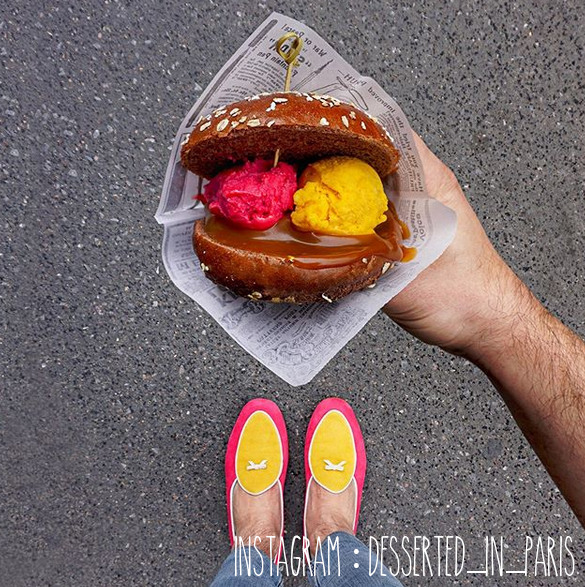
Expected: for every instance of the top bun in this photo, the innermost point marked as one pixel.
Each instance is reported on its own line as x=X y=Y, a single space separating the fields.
x=304 y=127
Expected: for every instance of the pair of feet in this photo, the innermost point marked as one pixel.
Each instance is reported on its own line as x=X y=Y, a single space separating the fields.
x=256 y=463
x=260 y=515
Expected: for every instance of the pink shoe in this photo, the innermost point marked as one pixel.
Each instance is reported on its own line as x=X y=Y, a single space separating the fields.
x=257 y=456
x=335 y=455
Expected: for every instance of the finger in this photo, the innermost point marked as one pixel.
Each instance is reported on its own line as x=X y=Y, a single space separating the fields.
x=440 y=180
x=437 y=174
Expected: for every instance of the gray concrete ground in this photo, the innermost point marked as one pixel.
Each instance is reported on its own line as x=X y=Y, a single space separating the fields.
x=118 y=392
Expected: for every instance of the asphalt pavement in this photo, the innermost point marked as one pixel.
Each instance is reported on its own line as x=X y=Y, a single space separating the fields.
x=117 y=393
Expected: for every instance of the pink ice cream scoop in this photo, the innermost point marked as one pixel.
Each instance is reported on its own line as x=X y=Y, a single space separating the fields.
x=253 y=195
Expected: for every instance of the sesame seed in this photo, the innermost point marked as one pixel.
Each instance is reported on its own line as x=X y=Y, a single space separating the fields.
x=235 y=123
x=324 y=122
x=271 y=107
x=309 y=98
x=364 y=260
x=205 y=125
x=386 y=267
x=218 y=113
x=204 y=267
x=345 y=121
x=326 y=298
x=222 y=124
x=243 y=119
x=280 y=100
x=235 y=111
x=363 y=125
x=371 y=286
x=254 y=122
x=270 y=123
x=352 y=115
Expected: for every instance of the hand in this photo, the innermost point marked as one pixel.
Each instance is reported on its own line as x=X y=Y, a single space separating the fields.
x=463 y=299
x=470 y=303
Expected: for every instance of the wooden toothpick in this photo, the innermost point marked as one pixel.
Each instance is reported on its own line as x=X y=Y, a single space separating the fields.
x=290 y=58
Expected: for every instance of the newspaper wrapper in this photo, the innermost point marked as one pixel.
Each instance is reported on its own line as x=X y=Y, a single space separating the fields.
x=296 y=342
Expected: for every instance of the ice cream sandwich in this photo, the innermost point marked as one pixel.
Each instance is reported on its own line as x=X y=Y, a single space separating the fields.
x=312 y=228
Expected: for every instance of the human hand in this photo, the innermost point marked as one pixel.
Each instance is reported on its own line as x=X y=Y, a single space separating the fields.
x=470 y=303
x=464 y=299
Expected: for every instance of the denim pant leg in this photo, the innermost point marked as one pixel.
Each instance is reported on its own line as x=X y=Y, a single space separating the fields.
x=354 y=565
x=246 y=567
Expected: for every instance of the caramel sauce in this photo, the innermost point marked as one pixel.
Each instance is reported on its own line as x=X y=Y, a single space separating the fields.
x=310 y=250
x=409 y=254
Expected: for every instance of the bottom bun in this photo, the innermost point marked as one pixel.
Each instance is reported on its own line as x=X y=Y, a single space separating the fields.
x=275 y=279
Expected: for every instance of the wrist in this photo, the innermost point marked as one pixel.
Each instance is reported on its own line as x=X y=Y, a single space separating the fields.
x=509 y=317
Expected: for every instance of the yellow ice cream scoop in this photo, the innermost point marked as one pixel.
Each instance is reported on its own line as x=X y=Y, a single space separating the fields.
x=339 y=195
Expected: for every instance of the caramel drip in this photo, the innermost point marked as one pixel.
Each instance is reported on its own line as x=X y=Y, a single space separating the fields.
x=310 y=250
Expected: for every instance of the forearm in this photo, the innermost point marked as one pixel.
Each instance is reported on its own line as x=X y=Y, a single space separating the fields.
x=538 y=366
x=470 y=303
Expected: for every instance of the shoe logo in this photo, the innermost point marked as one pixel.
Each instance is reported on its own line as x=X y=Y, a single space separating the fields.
x=329 y=466
x=252 y=466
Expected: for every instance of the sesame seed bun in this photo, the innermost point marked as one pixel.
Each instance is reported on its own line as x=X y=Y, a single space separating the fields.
x=304 y=127
x=275 y=279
